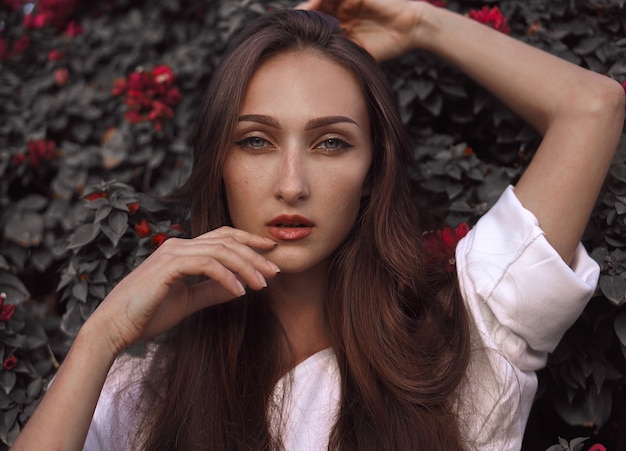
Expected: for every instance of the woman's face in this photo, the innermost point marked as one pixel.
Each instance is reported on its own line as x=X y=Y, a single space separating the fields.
x=296 y=168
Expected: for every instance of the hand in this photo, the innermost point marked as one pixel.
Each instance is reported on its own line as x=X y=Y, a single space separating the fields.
x=385 y=28
x=155 y=296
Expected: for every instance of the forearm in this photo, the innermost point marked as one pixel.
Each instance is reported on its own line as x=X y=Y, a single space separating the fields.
x=579 y=113
x=62 y=419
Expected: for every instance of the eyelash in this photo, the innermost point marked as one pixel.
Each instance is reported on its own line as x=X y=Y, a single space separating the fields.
x=246 y=142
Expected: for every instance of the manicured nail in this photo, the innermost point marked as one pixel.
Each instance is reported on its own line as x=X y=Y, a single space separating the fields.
x=273 y=266
x=261 y=279
x=240 y=287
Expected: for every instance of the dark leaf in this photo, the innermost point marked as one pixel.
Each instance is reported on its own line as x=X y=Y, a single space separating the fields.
x=614 y=288
x=84 y=235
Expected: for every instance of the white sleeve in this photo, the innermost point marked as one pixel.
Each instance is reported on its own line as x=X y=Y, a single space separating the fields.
x=521 y=297
x=113 y=423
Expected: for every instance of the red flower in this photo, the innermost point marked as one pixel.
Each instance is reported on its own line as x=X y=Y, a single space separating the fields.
x=119 y=86
x=41 y=150
x=36 y=21
x=4 y=48
x=143 y=229
x=6 y=311
x=96 y=195
x=20 y=45
x=440 y=4
x=597 y=447
x=9 y=363
x=159 y=239
x=491 y=16
x=163 y=75
x=73 y=29
x=55 y=55
x=61 y=76
x=132 y=208
x=439 y=246
x=624 y=86
x=149 y=95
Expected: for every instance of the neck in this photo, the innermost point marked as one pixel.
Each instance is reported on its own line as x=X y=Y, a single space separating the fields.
x=298 y=302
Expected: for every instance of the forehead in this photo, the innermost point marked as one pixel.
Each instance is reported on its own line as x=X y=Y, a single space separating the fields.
x=304 y=82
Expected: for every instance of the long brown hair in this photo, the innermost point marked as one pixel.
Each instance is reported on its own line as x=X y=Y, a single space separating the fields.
x=399 y=329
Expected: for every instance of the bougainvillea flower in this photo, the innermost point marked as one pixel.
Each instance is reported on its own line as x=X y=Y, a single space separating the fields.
x=440 y=4
x=149 y=95
x=73 y=29
x=55 y=55
x=20 y=46
x=6 y=310
x=159 y=239
x=40 y=150
x=439 y=246
x=597 y=447
x=96 y=195
x=491 y=16
x=61 y=76
x=143 y=229
x=9 y=363
x=132 y=208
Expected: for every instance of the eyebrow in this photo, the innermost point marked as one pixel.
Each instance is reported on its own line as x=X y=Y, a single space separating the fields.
x=312 y=124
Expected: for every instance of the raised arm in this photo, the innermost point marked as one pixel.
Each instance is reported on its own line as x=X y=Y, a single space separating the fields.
x=579 y=113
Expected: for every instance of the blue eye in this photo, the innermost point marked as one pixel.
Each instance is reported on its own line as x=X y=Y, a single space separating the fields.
x=334 y=144
x=253 y=142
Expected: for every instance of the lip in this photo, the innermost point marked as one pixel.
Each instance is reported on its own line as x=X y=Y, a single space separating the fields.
x=290 y=227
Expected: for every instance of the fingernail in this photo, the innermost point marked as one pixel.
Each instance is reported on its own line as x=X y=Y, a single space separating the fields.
x=273 y=266
x=261 y=279
x=240 y=287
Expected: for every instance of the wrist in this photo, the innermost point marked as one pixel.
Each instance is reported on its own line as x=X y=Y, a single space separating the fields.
x=96 y=339
x=427 y=19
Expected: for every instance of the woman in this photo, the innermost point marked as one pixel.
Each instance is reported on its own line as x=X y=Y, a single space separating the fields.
x=346 y=337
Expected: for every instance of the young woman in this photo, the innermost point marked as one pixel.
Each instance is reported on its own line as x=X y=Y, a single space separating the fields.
x=318 y=321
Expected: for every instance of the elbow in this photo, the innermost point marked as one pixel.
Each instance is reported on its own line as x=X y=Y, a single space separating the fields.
x=606 y=101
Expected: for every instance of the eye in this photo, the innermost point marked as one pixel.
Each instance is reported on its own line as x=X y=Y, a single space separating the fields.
x=333 y=144
x=253 y=142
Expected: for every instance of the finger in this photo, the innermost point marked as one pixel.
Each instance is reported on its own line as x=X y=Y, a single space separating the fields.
x=227 y=252
x=220 y=246
x=242 y=236
x=207 y=294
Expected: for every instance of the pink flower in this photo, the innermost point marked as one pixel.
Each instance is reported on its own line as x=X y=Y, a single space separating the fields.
x=491 y=16
x=597 y=447
x=624 y=86
x=55 y=55
x=73 y=29
x=61 y=76
x=9 y=363
x=439 y=246
x=440 y=4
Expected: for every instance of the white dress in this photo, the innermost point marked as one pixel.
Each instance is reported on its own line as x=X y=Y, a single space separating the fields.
x=521 y=297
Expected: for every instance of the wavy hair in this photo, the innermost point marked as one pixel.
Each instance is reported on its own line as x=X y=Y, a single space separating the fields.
x=398 y=328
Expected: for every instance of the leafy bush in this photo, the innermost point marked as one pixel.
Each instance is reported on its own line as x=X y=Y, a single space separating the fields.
x=98 y=99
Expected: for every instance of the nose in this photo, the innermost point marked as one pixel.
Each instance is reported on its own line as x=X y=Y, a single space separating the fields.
x=291 y=179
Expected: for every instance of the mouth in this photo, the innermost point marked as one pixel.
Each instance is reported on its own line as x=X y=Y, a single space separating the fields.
x=290 y=227
x=290 y=221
